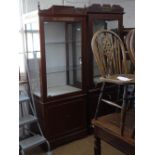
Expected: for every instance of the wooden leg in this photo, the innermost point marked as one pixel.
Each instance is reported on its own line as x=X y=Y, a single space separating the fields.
x=118 y=92
x=123 y=111
x=99 y=100
x=97 y=146
x=133 y=133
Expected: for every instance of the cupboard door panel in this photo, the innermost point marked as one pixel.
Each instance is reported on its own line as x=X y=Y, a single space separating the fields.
x=66 y=118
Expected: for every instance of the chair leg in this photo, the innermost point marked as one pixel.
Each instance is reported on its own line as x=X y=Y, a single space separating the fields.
x=123 y=111
x=131 y=97
x=118 y=92
x=118 y=97
x=97 y=146
x=133 y=133
x=99 y=100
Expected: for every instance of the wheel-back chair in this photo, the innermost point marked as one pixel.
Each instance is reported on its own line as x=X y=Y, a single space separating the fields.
x=109 y=52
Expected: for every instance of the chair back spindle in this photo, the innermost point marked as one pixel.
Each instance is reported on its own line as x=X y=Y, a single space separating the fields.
x=130 y=44
x=109 y=53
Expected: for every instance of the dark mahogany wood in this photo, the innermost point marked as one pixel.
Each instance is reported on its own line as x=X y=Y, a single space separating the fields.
x=105 y=8
x=62 y=10
x=63 y=120
x=97 y=146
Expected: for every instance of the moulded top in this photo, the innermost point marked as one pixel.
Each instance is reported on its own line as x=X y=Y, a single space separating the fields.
x=62 y=10
x=71 y=10
x=105 y=8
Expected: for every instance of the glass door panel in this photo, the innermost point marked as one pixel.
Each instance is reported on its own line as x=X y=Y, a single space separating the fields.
x=33 y=55
x=102 y=24
x=63 y=57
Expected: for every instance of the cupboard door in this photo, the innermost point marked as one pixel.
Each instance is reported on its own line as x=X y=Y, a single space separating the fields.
x=66 y=118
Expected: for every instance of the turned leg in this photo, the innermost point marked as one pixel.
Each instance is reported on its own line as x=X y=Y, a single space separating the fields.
x=133 y=133
x=97 y=146
x=123 y=111
x=99 y=100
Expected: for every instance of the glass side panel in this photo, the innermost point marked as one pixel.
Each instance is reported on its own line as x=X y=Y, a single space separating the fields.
x=63 y=57
x=102 y=24
x=33 y=55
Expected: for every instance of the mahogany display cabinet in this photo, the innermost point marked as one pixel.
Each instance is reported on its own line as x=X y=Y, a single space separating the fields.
x=55 y=45
x=101 y=17
x=64 y=76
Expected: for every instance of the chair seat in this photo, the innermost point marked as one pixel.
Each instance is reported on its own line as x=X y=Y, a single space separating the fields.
x=114 y=79
x=111 y=125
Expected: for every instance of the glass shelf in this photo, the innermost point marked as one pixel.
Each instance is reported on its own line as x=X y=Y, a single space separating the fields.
x=58 y=90
x=62 y=42
x=62 y=69
x=31 y=31
x=97 y=80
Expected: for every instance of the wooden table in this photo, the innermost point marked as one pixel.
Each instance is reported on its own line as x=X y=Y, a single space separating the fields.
x=107 y=128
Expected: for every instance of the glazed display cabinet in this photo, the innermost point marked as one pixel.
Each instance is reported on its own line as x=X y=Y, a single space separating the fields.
x=55 y=54
x=101 y=17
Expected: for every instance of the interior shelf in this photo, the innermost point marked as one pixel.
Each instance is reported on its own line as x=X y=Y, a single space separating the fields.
x=62 y=69
x=59 y=90
x=97 y=80
x=61 y=42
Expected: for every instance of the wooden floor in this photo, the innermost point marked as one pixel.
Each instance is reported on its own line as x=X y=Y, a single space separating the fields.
x=80 y=147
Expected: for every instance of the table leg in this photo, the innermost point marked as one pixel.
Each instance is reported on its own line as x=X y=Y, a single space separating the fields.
x=97 y=146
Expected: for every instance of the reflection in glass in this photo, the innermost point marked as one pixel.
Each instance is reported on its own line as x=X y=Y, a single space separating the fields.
x=33 y=55
x=102 y=24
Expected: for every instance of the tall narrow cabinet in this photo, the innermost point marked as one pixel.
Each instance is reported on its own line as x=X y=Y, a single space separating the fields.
x=55 y=45
x=101 y=17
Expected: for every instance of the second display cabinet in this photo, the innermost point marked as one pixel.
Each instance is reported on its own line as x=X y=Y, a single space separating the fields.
x=101 y=17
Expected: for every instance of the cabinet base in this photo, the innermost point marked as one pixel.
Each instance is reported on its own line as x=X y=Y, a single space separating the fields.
x=54 y=143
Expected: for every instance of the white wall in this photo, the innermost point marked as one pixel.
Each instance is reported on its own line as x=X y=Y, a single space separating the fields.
x=128 y=5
